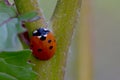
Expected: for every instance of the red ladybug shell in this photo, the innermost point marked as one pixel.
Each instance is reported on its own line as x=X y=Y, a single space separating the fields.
x=45 y=48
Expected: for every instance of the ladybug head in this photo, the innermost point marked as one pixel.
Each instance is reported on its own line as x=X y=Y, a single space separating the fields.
x=41 y=33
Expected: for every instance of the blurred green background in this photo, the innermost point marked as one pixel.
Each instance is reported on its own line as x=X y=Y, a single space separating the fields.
x=106 y=29
x=47 y=7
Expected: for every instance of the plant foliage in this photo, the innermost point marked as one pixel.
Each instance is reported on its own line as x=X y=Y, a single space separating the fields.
x=13 y=58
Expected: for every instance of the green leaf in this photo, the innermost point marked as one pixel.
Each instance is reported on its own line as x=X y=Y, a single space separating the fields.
x=29 y=16
x=11 y=41
x=10 y=10
x=17 y=72
x=9 y=29
x=3 y=17
x=4 y=76
x=14 y=66
x=6 y=12
x=3 y=38
x=18 y=58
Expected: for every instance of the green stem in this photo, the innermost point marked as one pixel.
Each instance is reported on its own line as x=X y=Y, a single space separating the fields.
x=24 y=6
x=63 y=22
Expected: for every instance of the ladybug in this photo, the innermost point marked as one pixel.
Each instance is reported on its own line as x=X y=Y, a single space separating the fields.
x=43 y=44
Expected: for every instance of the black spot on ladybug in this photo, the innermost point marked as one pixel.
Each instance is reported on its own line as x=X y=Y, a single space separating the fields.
x=43 y=38
x=50 y=47
x=49 y=41
x=39 y=50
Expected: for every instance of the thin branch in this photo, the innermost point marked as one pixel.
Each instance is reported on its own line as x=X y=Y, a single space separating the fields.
x=24 y=6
